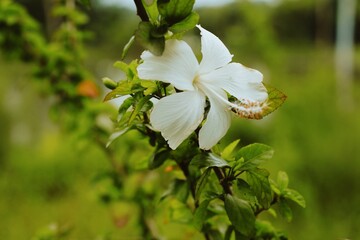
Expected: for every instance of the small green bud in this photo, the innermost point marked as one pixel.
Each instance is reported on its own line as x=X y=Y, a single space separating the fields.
x=109 y=83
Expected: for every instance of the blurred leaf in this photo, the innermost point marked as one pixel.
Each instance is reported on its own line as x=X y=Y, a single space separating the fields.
x=254 y=155
x=86 y=3
x=259 y=182
x=285 y=210
x=179 y=189
x=158 y=159
x=282 y=180
x=200 y=214
x=228 y=232
x=143 y=35
x=272 y=212
x=54 y=231
x=185 y=25
x=72 y=14
x=239 y=236
x=215 y=234
x=240 y=214
x=179 y=212
x=274 y=101
x=295 y=196
x=264 y=230
x=208 y=160
x=229 y=149
x=200 y=185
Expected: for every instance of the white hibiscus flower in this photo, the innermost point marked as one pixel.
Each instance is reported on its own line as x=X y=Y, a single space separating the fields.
x=178 y=115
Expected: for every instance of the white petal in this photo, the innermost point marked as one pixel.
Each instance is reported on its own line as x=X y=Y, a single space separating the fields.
x=217 y=122
x=214 y=52
x=178 y=65
x=241 y=82
x=178 y=115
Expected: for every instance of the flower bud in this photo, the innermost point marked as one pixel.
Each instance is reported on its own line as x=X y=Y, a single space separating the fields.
x=109 y=83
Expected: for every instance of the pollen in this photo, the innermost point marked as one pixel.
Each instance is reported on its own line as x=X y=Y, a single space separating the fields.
x=249 y=109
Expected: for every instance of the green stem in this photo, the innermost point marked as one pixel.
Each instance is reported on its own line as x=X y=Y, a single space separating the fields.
x=223 y=181
x=185 y=169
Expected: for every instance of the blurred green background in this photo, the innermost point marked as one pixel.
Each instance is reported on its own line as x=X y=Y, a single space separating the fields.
x=47 y=175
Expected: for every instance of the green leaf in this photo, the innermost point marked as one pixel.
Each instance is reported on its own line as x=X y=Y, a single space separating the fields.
x=214 y=234
x=123 y=88
x=150 y=86
x=259 y=182
x=254 y=155
x=228 y=232
x=117 y=134
x=243 y=190
x=264 y=230
x=143 y=35
x=200 y=185
x=138 y=108
x=185 y=25
x=239 y=236
x=123 y=119
x=174 y=11
x=282 y=181
x=158 y=159
x=240 y=214
x=229 y=149
x=285 y=210
x=295 y=197
x=209 y=160
x=125 y=106
x=200 y=214
x=274 y=101
x=122 y=66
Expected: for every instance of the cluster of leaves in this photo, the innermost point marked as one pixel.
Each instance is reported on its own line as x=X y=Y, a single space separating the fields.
x=231 y=183
x=20 y=36
x=160 y=20
x=133 y=112
x=247 y=190
x=61 y=62
x=58 y=62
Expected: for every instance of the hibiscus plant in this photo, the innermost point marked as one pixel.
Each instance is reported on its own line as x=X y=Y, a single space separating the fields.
x=184 y=107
